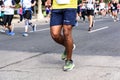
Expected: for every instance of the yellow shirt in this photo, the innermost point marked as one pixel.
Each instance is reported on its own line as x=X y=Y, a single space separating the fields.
x=72 y=4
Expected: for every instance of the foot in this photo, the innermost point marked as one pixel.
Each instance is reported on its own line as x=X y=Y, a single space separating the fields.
x=11 y=33
x=69 y=65
x=90 y=28
x=2 y=30
x=25 y=34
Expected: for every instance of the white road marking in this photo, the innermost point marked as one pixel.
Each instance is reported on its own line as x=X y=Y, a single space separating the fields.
x=41 y=30
x=98 y=29
x=88 y=32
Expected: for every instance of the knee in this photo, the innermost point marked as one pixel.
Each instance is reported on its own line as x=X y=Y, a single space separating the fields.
x=55 y=35
x=67 y=35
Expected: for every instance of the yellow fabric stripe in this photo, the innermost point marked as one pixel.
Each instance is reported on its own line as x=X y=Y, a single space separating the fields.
x=73 y=4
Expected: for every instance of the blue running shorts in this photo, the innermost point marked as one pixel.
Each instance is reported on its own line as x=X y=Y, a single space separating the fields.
x=63 y=17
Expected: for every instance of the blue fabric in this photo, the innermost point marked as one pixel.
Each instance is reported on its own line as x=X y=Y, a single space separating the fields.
x=63 y=17
x=13 y=2
x=30 y=9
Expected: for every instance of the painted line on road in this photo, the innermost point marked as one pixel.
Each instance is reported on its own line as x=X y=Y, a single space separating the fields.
x=88 y=32
x=41 y=30
x=98 y=29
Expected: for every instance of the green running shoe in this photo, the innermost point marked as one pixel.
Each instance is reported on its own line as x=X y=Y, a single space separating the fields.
x=69 y=65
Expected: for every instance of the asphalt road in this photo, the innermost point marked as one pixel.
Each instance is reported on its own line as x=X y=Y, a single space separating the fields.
x=38 y=57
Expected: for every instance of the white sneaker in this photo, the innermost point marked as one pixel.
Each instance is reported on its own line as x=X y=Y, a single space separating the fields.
x=25 y=34
x=2 y=30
